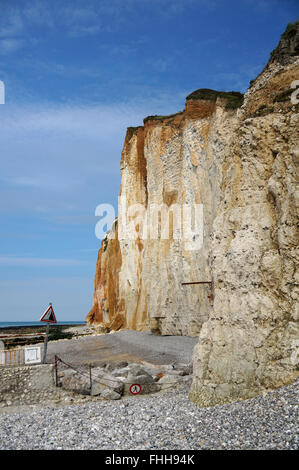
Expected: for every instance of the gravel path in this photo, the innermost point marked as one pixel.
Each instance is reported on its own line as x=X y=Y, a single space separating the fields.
x=164 y=421
x=127 y=345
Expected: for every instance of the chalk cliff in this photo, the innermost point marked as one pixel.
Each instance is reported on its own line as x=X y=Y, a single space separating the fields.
x=235 y=158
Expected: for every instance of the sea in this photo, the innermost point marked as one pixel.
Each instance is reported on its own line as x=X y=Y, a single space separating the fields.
x=16 y=324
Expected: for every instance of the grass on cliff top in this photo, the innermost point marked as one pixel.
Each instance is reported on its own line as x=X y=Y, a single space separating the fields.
x=161 y=118
x=290 y=30
x=288 y=33
x=131 y=131
x=234 y=99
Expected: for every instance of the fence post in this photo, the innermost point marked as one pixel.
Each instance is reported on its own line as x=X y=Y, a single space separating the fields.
x=90 y=377
x=56 y=371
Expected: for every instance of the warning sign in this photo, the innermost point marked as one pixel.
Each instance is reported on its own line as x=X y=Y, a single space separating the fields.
x=135 y=389
x=49 y=315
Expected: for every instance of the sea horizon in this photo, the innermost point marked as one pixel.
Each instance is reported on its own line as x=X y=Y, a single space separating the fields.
x=5 y=324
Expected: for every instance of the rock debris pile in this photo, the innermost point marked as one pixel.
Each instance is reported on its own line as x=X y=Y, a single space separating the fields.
x=112 y=381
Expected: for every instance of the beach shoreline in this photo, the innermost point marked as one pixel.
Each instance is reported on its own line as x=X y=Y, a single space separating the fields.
x=25 y=335
x=41 y=325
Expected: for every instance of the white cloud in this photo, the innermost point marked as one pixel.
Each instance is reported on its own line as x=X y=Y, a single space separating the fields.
x=39 y=262
x=74 y=219
x=82 y=21
x=17 y=24
x=11 y=23
x=60 y=162
x=27 y=181
x=41 y=182
x=77 y=18
x=10 y=45
x=61 y=159
x=89 y=121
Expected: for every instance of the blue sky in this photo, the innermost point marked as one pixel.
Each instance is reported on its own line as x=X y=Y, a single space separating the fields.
x=77 y=74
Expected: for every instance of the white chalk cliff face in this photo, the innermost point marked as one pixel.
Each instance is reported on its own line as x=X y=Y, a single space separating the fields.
x=238 y=160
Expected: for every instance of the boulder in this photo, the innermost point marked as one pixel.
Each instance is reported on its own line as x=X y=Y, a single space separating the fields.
x=109 y=394
x=73 y=381
x=147 y=383
x=121 y=372
x=175 y=372
x=98 y=371
x=170 y=381
x=185 y=369
x=108 y=381
x=137 y=371
x=187 y=379
x=141 y=379
x=121 y=364
x=101 y=329
x=97 y=389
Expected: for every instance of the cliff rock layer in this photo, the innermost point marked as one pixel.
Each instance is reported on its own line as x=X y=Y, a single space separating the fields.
x=250 y=340
x=237 y=161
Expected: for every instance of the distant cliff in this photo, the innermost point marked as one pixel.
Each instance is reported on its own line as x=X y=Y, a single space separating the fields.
x=235 y=157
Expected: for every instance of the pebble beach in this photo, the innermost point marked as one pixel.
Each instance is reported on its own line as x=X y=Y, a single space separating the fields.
x=167 y=421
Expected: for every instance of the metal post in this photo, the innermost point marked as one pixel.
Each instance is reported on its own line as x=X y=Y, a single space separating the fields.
x=56 y=370
x=90 y=378
x=211 y=296
x=46 y=344
x=46 y=341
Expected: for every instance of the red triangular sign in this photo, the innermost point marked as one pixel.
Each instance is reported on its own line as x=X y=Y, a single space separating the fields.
x=49 y=315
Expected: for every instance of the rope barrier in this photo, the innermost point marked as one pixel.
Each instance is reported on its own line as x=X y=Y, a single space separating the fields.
x=58 y=359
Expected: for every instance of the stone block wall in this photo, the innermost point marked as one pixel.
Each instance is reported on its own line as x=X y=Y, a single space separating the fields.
x=26 y=384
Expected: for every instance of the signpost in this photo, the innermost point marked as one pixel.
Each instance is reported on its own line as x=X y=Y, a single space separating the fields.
x=47 y=317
